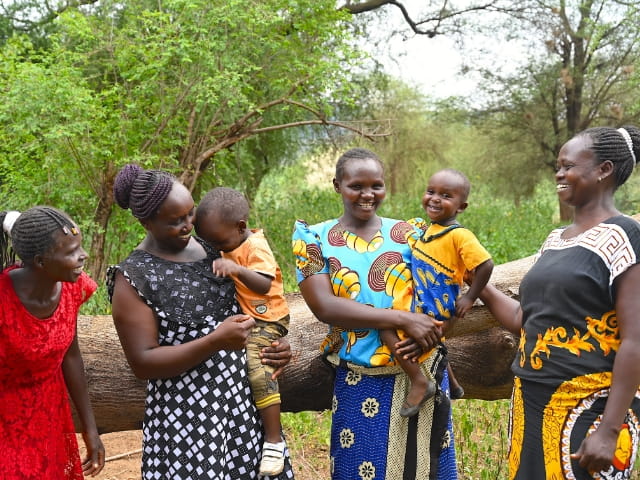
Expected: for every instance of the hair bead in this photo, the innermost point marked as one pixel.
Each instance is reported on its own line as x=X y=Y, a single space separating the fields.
x=9 y=219
x=627 y=139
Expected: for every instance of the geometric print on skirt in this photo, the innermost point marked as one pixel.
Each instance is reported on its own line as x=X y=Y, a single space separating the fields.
x=202 y=424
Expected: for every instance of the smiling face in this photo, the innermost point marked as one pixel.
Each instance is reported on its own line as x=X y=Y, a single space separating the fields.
x=64 y=261
x=171 y=226
x=577 y=172
x=445 y=196
x=362 y=189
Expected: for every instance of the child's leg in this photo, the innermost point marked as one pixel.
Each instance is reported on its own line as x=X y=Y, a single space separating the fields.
x=455 y=388
x=266 y=396
x=421 y=388
x=266 y=393
x=271 y=421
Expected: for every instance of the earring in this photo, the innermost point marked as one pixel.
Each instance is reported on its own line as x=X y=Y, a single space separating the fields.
x=599 y=179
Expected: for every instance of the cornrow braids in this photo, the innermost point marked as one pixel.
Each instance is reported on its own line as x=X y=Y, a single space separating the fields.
x=610 y=144
x=355 y=154
x=33 y=232
x=142 y=191
x=231 y=205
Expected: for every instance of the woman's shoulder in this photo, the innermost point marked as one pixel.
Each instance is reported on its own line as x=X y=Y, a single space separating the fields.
x=303 y=224
x=626 y=222
x=82 y=288
x=303 y=229
x=6 y=285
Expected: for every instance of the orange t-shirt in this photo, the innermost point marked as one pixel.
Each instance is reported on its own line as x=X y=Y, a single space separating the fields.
x=255 y=254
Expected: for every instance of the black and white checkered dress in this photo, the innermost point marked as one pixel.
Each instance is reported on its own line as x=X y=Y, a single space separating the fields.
x=203 y=423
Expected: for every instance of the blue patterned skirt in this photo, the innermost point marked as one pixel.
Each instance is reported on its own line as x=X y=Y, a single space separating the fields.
x=369 y=438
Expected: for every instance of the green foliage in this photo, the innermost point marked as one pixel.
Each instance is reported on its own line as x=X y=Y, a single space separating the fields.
x=577 y=69
x=170 y=85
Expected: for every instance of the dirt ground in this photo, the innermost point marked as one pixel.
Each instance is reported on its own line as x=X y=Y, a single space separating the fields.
x=123 y=455
x=123 y=458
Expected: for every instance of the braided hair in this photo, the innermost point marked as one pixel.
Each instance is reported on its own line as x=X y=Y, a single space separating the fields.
x=143 y=191
x=355 y=154
x=231 y=205
x=620 y=146
x=32 y=233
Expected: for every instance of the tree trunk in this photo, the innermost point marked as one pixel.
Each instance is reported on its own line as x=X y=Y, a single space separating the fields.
x=96 y=263
x=481 y=354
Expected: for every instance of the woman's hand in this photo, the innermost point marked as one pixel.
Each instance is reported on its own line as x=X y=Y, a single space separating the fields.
x=409 y=349
x=596 y=451
x=234 y=332
x=93 y=463
x=278 y=355
x=426 y=331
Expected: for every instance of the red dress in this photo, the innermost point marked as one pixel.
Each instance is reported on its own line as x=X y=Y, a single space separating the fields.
x=37 y=435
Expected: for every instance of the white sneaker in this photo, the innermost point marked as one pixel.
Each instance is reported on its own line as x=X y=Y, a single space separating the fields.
x=272 y=459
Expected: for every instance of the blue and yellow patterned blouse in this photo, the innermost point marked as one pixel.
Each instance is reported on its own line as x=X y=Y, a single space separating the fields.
x=376 y=273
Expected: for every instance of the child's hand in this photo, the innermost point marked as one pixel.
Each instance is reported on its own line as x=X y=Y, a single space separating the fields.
x=223 y=267
x=463 y=305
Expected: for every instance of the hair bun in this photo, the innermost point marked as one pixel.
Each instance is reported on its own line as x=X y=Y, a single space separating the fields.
x=124 y=183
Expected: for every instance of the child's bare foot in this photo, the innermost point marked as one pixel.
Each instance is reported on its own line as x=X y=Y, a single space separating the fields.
x=419 y=393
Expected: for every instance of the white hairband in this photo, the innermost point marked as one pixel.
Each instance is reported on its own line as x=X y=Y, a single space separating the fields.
x=627 y=138
x=9 y=219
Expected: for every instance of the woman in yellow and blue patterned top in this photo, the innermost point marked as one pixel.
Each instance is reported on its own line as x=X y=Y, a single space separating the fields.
x=355 y=275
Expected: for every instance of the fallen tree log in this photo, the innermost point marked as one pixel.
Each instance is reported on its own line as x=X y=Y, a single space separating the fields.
x=480 y=352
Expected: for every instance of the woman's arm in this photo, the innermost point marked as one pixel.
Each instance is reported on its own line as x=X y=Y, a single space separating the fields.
x=138 y=331
x=596 y=451
x=74 y=377
x=347 y=313
x=505 y=310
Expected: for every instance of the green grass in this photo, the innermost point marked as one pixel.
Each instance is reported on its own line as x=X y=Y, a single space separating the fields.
x=481 y=438
x=308 y=440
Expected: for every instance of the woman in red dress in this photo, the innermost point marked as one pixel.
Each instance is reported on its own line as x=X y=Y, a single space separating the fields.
x=40 y=361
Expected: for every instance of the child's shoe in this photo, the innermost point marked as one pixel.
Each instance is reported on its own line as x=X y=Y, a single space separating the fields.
x=272 y=459
x=408 y=410
x=457 y=393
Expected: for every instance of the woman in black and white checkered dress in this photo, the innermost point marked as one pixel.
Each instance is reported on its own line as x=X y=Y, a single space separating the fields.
x=182 y=330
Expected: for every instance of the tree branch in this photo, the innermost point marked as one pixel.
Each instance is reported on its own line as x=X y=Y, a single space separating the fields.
x=436 y=20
